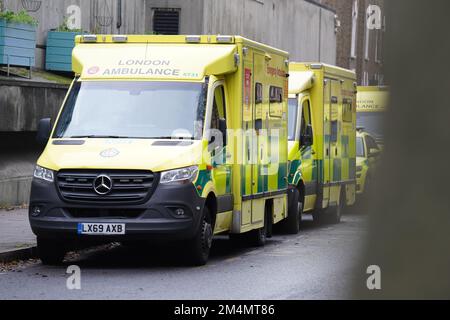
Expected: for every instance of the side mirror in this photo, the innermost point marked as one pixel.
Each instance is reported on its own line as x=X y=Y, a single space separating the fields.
x=223 y=130
x=374 y=153
x=44 y=130
x=307 y=139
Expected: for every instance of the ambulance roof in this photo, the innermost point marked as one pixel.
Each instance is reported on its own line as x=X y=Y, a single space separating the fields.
x=141 y=57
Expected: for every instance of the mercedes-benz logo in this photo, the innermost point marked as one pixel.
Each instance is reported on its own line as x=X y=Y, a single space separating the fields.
x=103 y=185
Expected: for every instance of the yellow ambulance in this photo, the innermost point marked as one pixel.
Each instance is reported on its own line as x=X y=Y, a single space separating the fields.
x=322 y=141
x=367 y=157
x=371 y=106
x=165 y=138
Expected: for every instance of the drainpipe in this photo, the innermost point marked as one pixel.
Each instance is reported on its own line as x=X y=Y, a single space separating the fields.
x=119 y=14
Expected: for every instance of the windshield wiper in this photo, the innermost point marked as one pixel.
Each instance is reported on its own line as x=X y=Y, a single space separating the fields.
x=171 y=138
x=93 y=136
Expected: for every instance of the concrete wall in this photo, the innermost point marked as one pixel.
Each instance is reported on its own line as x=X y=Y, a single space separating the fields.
x=24 y=103
x=18 y=154
x=304 y=29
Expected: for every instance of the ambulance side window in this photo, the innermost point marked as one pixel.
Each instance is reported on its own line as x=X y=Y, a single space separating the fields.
x=306 y=119
x=347 y=108
x=276 y=102
x=218 y=119
x=258 y=93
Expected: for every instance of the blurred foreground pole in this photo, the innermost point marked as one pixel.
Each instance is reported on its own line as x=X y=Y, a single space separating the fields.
x=409 y=230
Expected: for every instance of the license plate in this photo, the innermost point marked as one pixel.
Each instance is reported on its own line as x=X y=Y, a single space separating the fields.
x=101 y=228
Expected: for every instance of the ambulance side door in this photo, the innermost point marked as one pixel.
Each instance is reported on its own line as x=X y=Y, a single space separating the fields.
x=218 y=145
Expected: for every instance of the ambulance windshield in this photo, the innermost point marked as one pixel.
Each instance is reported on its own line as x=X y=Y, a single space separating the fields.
x=126 y=109
x=372 y=122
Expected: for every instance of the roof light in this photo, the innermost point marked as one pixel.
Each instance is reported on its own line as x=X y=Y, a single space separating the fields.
x=316 y=66
x=193 y=39
x=224 y=39
x=89 y=38
x=119 y=38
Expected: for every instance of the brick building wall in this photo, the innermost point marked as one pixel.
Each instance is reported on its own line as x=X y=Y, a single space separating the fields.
x=368 y=58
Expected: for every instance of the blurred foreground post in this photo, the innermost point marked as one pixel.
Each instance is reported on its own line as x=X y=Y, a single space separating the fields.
x=409 y=231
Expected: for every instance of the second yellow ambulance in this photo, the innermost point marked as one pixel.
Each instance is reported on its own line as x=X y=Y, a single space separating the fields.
x=322 y=140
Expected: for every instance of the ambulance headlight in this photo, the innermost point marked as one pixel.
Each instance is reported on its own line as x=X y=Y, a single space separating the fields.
x=43 y=174
x=183 y=175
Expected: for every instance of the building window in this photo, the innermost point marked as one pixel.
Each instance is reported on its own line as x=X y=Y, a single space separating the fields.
x=365 y=81
x=166 y=21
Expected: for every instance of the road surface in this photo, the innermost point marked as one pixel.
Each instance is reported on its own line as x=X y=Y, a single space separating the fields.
x=316 y=264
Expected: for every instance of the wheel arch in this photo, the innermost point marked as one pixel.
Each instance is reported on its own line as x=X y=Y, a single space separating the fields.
x=211 y=204
x=302 y=190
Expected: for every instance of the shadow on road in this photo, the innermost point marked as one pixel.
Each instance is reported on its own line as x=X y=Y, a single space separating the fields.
x=155 y=256
x=150 y=255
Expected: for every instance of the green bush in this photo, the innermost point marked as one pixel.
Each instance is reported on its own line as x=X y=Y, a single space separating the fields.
x=19 y=17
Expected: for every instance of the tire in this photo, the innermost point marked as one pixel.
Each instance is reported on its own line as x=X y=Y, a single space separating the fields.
x=335 y=214
x=51 y=252
x=319 y=216
x=300 y=212
x=258 y=237
x=199 y=247
x=291 y=225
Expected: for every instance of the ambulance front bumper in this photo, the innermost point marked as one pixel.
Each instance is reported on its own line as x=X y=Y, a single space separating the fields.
x=173 y=212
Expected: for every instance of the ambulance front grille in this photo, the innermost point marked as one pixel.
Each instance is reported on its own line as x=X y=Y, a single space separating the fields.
x=126 y=187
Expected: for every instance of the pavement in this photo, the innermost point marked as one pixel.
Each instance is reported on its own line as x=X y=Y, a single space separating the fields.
x=17 y=241
x=318 y=263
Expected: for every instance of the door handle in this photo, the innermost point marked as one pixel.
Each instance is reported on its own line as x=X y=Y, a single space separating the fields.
x=313 y=151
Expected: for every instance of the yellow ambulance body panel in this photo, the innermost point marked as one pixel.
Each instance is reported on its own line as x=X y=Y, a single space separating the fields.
x=322 y=137
x=122 y=117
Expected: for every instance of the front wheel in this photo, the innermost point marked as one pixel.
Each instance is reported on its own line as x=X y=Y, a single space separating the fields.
x=200 y=246
x=51 y=252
